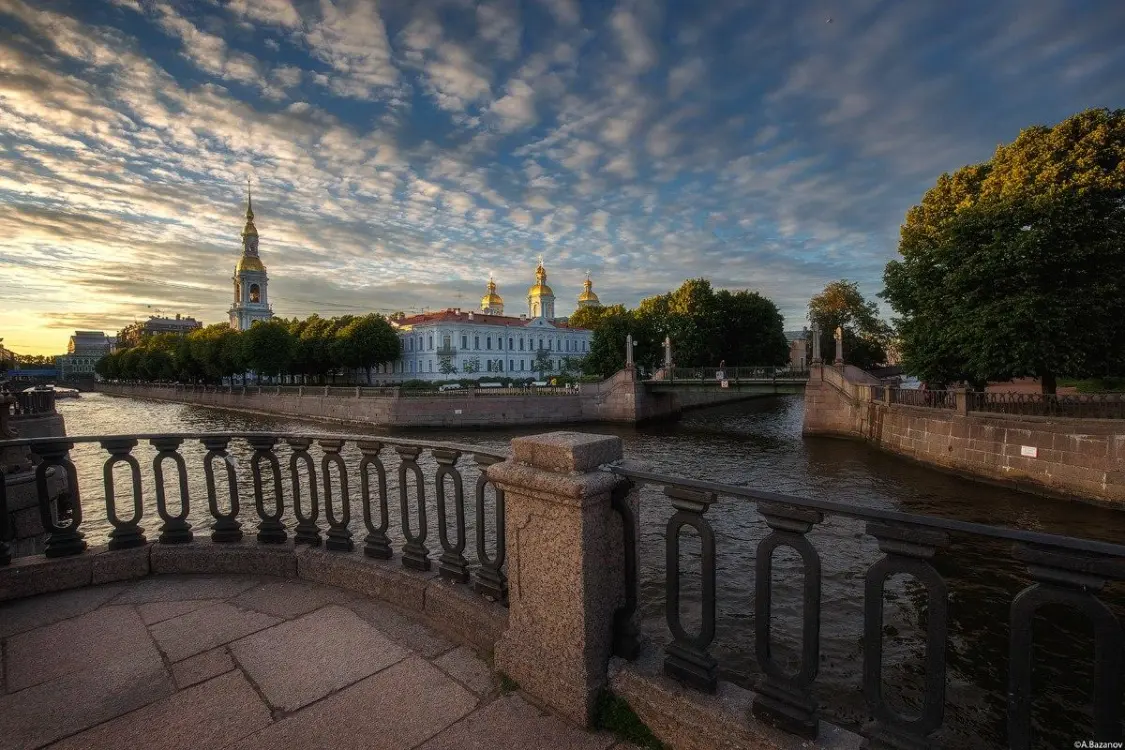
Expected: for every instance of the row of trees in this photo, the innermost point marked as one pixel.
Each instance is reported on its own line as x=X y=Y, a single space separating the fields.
x=706 y=327
x=313 y=348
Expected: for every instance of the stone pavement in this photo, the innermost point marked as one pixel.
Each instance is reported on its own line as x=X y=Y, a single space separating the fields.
x=249 y=662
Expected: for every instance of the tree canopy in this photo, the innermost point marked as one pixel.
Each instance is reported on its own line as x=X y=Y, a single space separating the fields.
x=706 y=327
x=1015 y=267
x=866 y=335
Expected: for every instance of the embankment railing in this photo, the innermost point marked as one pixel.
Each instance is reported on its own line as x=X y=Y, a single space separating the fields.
x=358 y=391
x=1077 y=405
x=313 y=504
x=1064 y=571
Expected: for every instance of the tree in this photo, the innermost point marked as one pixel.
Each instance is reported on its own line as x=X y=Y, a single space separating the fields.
x=607 y=347
x=268 y=347
x=751 y=330
x=542 y=362
x=866 y=335
x=368 y=341
x=445 y=365
x=1014 y=267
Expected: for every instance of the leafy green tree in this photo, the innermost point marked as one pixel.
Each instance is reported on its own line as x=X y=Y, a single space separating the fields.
x=445 y=365
x=368 y=341
x=607 y=347
x=866 y=335
x=751 y=330
x=268 y=347
x=542 y=362
x=1014 y=267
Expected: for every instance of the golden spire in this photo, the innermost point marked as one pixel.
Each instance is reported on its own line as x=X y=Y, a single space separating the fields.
x=588 y=298
x=249 y=230
x=492 y=302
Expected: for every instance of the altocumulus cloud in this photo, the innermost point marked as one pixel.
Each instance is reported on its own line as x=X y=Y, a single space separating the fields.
x=401 y=149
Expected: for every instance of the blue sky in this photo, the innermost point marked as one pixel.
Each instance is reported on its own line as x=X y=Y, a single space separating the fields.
x=401 y=150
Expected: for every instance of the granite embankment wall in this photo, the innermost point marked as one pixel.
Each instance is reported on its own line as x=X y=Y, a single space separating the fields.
x=620 y=398
x=1080 y=458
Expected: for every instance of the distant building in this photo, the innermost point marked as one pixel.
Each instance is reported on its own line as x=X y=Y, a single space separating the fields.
x=453 y=344
x=251 y=303
x=798 y=349
x=135 y=333
x=83 y=351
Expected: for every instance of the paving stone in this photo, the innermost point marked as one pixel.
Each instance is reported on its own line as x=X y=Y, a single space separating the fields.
x=107 y=638
x=207 y=628
x=78 y=673
x=464 y=665
x=211 y=715
x=27 y=614
x=181 y=588
x=288 y=599
x=304 y=660
x=392 y=710
x=511 y=723
x=201 y=667
x=155 y=612
x=401 y=628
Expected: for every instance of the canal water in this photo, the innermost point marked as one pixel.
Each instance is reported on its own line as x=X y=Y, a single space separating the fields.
x=758 y=444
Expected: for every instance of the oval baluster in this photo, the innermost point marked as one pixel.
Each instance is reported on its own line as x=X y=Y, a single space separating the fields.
x=1068 y=578
x=687 y=657
x=227 y=527
x=375 y=544
x=5 y=523
x=125 y=534
x=786 y=700
x=176 y=529
x=62 y=540
x=490 y=578
x=909 y=551
x=414 y=552
x=307 y=532
x=270 y=528
x=626 y=643
x=339 y=535
x=452 y=564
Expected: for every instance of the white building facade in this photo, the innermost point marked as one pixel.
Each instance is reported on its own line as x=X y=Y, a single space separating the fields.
x=480 y=345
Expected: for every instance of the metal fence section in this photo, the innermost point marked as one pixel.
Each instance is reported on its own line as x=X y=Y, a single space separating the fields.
x=1063 y=570
x=307 y=491
x=920 y=397
x=734 y=374
x=1078 y=405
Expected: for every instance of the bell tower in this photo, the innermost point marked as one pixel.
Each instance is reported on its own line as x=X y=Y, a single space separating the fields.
x=250 y=300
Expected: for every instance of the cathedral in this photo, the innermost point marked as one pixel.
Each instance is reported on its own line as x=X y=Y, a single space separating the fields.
x=250 y=300
x=452 y=344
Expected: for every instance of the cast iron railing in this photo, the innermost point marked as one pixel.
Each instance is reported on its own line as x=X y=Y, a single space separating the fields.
x=1064 y=571
x=276 y=519
x=919 y=397
x=361 y=391
x=733 y=374
x=1078 y=405
x=31 y=403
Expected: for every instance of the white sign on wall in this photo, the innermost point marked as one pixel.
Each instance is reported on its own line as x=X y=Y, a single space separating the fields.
x=1029 y=450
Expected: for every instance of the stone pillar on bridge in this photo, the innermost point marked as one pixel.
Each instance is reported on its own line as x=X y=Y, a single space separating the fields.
x=816 y=360
x=629 y=365
x=668 y=353
x=839 y=347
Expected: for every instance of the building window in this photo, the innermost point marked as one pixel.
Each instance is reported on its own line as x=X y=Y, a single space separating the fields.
x=540 y=343
x=476 y=342
x=583 y=345
x=411 y=344
x=488 y=364
x=447 y=342
x=521 y=362
x=431 y=365
x=464 y=342
x=511 y=365
x=488 y=343
x=521 y=343
x=568 y=345
x=510 y=347
x=431 y=343
x=550 y=345
x=500 y=365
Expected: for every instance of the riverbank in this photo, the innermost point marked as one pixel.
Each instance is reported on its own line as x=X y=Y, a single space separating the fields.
x=1071 y=458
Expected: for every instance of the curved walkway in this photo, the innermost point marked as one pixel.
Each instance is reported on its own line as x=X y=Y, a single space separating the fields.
x=250 y=662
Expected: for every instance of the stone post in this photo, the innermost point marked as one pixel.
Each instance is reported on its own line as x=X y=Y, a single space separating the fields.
x=816 y=360
x=961 y=401
x=668 y=352
x=565 y=567
x=629 y=352
x=839 y=347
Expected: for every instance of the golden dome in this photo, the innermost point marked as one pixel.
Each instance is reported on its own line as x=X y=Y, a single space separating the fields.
x=249 y=263
x=588 y=293
x=540 y=288
x=492 y=299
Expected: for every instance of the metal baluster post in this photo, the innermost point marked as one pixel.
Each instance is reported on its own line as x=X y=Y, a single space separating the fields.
x=227 y=527
x=490 y=579
x=176 y=529
x=452 y=565
x=125 y=534
x=687 y=657
x=414 y=553
x=307 y=531
x=785 y=700
x=339 y=535
x=270 y=528
x=909 y=551
x=375 y=544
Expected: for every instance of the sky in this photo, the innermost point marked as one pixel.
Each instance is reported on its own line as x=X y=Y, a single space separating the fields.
x=402 y=150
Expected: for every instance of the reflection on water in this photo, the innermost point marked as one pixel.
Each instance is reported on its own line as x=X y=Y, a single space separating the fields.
x=758 y=444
